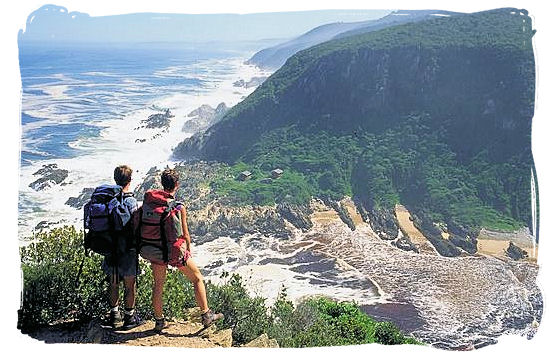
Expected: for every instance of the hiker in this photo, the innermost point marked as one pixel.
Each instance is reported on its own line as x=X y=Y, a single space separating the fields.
x=165 y=241
x=109 y=217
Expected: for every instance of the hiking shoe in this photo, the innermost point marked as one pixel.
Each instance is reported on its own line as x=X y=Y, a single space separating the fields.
x=160 y=324
x=209 y=317
x=131 y=321
x=114 y=320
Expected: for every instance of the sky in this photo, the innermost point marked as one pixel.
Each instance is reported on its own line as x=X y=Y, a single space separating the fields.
x=52 y=23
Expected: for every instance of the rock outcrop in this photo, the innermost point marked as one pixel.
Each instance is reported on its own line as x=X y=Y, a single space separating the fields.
x=426 y=225
x=203 y=117
x=151 y=180
x=50 y=175
x=178 y=333
x=263 y=341
x=158 y=121
x=253 y=82
x=343 y=213
x=83 y=198
x=297 y=215
x=46 y=225
x=218 y=220
x=383 y=223
x=515 y=252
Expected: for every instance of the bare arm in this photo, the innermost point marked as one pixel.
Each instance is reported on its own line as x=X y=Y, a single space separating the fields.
x=186 y=236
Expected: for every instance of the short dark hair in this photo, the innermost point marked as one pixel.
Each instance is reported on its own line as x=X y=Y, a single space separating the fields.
x=123 y=175
x=169 y=179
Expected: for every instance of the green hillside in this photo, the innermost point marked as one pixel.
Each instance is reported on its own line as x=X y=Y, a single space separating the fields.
x=434 y=115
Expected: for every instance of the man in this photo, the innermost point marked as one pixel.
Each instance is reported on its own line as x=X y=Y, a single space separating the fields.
x=123 y=266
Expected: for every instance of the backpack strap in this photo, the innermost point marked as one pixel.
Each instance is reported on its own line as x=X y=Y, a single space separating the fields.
x=137 y=237
x=114 y=244
x=86 y=253
x=163 y=239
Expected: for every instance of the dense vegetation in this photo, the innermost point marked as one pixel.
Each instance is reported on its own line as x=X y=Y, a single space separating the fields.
x=384 y=170
x=435 y=115
x=61 y=284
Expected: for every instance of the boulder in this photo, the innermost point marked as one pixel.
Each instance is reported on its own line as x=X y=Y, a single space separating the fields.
x=51 y=175
x=384 y=223
x=405 y=244
x=83 y=198
x=203 y=117
x=515 y=252
x=297 y=215
x=263 y=341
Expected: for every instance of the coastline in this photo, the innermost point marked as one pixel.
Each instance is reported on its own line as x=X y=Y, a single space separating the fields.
x=118 y=143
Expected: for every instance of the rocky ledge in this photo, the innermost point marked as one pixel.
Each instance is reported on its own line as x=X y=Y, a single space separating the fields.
x=178 y=333
x=158 y=121
x=515 y=252
x=83 y=198
x=50 y=176
x=203 y=117
x=211 y=216
x=255 y=81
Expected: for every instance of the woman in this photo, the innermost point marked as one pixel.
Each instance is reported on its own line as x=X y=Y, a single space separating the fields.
x=160 y=209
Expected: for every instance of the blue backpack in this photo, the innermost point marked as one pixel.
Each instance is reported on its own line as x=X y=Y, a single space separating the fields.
x=105 y=218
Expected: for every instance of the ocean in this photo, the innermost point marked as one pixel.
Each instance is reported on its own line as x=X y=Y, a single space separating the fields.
x=82 y=106
x=83 y=109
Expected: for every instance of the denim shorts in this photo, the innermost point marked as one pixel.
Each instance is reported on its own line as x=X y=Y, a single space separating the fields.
x=126 y=264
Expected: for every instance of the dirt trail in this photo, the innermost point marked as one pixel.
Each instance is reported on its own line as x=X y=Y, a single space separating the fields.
x=178 y=333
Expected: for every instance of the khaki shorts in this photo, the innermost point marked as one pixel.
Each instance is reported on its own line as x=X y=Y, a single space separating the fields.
x=154 y=255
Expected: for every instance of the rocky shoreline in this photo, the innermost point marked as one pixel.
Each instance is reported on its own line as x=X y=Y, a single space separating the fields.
x=203 y=117
x=211 y=216
x=157 y=121
x=50 y=175
x=253 y=82
x=403 y=262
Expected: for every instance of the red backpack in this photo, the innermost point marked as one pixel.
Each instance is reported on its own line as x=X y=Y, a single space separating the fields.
x=161 y=229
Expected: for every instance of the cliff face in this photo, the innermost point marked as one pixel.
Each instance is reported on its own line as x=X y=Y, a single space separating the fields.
x=435 y=115
x=483 y=93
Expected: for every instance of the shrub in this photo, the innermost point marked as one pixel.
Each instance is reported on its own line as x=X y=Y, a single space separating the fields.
x=61 y=284
x=245 y=315
x=388 y=333
x=52 y=289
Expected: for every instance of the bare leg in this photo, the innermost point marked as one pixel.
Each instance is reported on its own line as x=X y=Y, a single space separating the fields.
x=159 y=277
x=192 y=272
x=130 y=292
x=113 y=291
